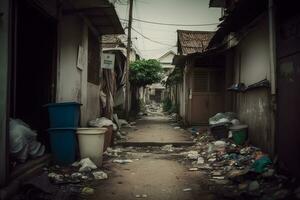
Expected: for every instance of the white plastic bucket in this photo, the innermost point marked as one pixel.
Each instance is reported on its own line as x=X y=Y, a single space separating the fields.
x=91 y=142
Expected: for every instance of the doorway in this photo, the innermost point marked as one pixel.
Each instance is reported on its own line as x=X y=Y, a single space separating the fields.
x=33 y=74
x=207 y=94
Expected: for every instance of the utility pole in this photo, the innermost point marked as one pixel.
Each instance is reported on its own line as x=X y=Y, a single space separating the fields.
x=128 y=59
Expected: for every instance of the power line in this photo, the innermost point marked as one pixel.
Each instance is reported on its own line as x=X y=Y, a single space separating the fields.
x=161 y=43
x=139 y=24
x=170 y=24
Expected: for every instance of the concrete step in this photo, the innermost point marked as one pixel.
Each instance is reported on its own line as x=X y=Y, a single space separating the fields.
x=146 y=144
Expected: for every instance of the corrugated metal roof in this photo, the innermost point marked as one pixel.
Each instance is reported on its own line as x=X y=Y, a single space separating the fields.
x=100 y=13
x=193 y=41
x=245 y=12
x=111 y=41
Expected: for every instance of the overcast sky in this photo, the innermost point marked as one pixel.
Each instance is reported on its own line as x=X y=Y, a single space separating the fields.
x=165 y=11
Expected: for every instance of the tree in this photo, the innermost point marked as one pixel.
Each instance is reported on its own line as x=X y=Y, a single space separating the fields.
x=142 y=73
x=145 y=72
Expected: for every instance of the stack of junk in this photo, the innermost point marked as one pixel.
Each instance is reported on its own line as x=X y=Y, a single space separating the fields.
x=23 y=141
x=226 y=125
x=64 y=122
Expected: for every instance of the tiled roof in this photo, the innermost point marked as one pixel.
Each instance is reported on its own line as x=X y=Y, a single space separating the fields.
x=193 y=41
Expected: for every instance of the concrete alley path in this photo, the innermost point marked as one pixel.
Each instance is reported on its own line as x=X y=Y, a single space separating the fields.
x=153 y=174
x=157 y=128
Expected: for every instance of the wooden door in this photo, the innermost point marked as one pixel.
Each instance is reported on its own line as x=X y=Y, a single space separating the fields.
x=207 y=94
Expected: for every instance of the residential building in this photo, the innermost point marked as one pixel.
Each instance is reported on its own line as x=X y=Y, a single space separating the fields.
x=51 y=53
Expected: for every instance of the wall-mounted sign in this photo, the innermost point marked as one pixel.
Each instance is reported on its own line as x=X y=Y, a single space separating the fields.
x=108 y=61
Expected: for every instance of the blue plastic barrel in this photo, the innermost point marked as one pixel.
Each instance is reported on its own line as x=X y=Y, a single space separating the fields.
x=63 y=145
x=63 y=114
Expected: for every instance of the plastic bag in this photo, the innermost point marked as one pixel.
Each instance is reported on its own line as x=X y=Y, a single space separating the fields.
x=23 y=141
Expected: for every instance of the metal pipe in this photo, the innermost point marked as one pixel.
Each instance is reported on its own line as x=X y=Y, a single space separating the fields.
x=272 y=46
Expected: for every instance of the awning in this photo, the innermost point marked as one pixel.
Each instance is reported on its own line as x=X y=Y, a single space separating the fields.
x=100 y=13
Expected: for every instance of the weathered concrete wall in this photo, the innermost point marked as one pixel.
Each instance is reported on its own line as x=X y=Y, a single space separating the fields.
x=253 y=54
x=69 y=79
x=72 y=81
x=251 y=65
x=4 y=66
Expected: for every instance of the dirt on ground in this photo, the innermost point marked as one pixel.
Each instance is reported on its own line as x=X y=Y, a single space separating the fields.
x=152 y=176
x=206 y=169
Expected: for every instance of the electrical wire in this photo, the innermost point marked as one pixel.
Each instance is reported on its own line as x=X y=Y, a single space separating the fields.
x=169 y=24
x=136 y=12
x=161 y=43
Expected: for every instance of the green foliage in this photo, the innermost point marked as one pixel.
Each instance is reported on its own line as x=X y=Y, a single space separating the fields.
x=167 y=104
x=145 y=72
x=175 y=77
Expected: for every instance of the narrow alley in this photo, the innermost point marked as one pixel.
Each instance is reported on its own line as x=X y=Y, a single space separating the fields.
x=153 y=172
x=149 y=99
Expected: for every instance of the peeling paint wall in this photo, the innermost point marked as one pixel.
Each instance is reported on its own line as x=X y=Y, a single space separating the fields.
x=71 y=80
x=254 y=110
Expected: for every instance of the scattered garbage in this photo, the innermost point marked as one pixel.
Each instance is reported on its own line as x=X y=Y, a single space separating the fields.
x=86 y=165
x=123 y=122
x=56 y=177
x=141 y=196
x=259 y=166
x=221 y=118
x=132 y=123
x=100 y=175
x=102 y=122
x=200 y=161
x=87 y=191
x=112 y=152
x=168 y=148
x=124 y=161
x=187 y=189
x=193 y=155
x=220 y=145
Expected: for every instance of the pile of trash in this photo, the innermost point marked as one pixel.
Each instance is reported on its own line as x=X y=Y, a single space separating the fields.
x=23 y=142
x=237 y=171
x=154 y=108
x=102 y=122
x=68 y=182
x=116 y=123
x=78 y=172
x=221 y=118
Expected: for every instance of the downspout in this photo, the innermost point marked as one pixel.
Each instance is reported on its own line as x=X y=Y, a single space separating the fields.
x=272 y=46
x=272 y=49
